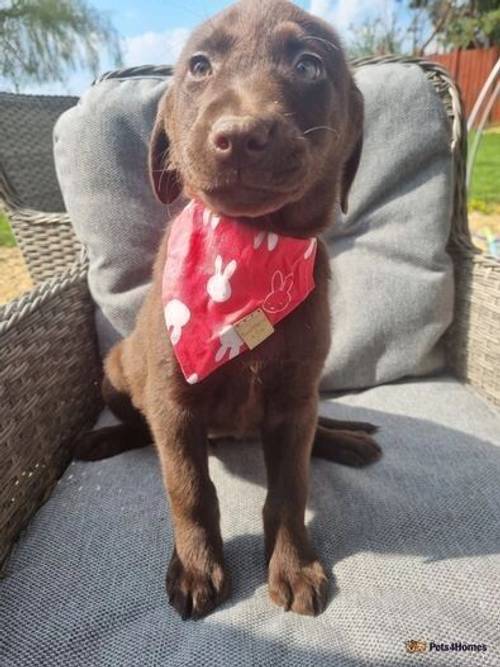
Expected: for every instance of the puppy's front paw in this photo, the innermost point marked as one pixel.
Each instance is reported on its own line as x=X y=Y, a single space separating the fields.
x=195 y=592
x=301 y=588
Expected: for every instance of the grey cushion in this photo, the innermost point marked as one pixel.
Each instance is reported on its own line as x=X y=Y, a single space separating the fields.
x=392 y=281
x=412 y=543
x=101 y=148
x=392 y=285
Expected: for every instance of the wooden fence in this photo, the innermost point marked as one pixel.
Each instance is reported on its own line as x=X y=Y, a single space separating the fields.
x=470 y=69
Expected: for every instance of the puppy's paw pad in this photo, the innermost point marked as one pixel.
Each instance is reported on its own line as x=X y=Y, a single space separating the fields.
x=95 y=445
x=195 y=592
x=299 y=588
x=364 y=451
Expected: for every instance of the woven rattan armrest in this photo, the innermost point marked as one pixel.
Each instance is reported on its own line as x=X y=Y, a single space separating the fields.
x=49 y=379
x=47 y=241
x=473 y=341
x=28 y=182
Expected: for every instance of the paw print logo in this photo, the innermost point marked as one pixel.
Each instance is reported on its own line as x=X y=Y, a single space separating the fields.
x=219 y=285
x=416 y=646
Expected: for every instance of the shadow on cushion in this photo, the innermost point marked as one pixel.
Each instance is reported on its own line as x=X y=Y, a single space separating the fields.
x=412 y=544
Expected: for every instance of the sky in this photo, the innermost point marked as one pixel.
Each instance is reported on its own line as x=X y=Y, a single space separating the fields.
x=154 y=31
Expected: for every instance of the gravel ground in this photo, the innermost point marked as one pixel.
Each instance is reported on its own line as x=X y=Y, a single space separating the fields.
x=14 y=276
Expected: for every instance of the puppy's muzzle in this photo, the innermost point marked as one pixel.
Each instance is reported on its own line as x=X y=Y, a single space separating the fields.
x=243 y=141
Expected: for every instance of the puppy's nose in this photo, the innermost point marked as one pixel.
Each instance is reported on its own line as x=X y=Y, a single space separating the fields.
x=245 y=139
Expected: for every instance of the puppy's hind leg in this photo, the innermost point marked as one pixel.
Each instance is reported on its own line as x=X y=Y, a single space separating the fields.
x=133 y=431
x=348 y=443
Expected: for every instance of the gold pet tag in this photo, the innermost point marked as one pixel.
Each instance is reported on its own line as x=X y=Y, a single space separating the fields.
x=254 y=328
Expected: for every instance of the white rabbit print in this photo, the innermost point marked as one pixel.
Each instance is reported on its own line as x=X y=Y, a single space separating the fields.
x=272 y=240
x=219 y=285
x=310 y=248
x=280 y=296
x=210 y=218
x=230 y=341
x=177 y=315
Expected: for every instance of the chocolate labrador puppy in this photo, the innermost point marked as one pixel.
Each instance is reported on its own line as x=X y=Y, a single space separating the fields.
x=263 y=122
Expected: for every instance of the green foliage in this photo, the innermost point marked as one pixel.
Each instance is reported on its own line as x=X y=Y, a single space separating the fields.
x=485 y=184
x=6 y=235
x=452 y=23
x=480 y=206
x=44 y=40
x=463 y=24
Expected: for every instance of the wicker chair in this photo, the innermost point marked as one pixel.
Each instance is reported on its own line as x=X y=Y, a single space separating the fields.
x=49 y=365
x=28 y=185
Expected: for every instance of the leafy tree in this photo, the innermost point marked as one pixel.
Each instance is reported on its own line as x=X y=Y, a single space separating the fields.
x=450 y=23
x=462 y=24
x=376 y=36
x=44 y=40
x=393 y=30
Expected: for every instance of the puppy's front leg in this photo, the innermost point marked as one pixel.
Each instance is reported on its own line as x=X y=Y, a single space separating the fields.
x=297 y=580
x=196 y=579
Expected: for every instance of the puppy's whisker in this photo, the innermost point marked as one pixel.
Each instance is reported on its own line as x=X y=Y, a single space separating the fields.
x=163 y=172
x=322 y=127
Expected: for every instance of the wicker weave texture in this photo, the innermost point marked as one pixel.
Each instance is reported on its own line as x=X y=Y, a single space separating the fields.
x=47 y=241
x=26 y=125
x=28 y=183
x=49 y=374
x=473 y=342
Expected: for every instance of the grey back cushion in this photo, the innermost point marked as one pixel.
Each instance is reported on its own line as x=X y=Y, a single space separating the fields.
x=392 y=281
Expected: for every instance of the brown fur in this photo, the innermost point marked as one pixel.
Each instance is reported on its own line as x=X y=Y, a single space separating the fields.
x=253 y=94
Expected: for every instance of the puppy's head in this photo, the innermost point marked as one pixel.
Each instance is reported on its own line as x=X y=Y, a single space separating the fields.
x=263 y=117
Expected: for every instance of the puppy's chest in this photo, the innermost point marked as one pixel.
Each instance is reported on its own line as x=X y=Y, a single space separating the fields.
x=236 y=401
x=236 y=406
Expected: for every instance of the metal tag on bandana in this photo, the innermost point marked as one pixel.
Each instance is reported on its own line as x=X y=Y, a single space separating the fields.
x=254 y=328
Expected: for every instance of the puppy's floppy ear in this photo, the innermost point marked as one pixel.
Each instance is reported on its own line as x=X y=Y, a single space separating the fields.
x=164 y=179
x=356 y=117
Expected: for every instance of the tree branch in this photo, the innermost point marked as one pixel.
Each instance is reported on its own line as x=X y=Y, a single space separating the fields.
x=437 y=28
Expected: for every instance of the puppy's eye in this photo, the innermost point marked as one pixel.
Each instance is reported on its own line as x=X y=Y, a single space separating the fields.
x=309 y=67
x=200 y=66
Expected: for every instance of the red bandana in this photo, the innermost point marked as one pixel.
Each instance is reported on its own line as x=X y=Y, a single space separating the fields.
x=226 y=285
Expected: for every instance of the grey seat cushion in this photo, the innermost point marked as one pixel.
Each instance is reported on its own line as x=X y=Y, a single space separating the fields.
x=392 y=290
x=412 y=543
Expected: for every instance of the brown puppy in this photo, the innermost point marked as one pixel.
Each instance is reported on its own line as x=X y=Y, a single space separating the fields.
x=263 y=117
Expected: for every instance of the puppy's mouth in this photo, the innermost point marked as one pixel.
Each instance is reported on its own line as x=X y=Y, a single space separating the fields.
x=239 y=197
